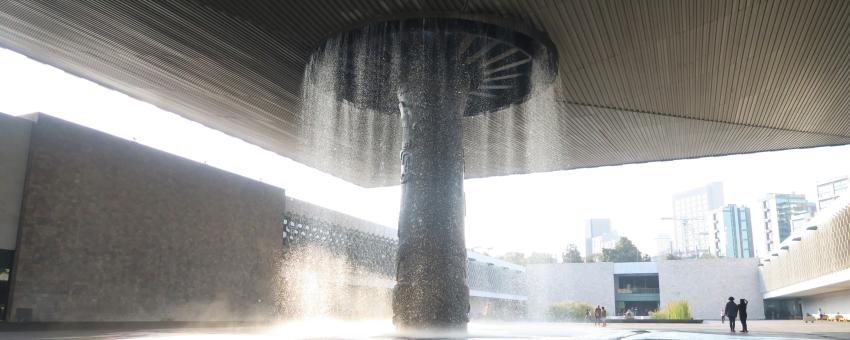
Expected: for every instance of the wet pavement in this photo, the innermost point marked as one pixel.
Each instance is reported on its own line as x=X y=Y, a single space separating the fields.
x=327 y=329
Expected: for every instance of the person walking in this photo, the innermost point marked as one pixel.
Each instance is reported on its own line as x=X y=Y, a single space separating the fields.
x=587 y=316
x=742 y=314
x=596 y=314
x=604 y=317
x=731 y=313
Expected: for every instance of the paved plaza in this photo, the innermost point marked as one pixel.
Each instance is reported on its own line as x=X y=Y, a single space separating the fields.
x=760 y=329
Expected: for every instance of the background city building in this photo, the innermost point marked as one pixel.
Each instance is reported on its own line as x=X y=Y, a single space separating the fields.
x=598 y=235
x=831 y=190
x=733 y=231
x=778 y=211
x=802 y=214
x=663 y=246
x=692 y=231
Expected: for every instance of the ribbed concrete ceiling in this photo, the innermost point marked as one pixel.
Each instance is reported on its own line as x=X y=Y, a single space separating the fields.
x=638 y=81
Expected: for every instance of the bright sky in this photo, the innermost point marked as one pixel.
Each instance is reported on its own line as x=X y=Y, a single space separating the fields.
x=537 y=212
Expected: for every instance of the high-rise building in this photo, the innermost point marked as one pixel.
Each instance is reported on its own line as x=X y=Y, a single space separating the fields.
x=831 y=190
x=692 y=231
x=733 y=231
x=663 y=246
x=598 y=235
x=802 y=214
x=778 y=212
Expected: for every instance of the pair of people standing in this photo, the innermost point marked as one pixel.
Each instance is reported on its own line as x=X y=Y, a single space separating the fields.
x=600 y=316
x=739 y=311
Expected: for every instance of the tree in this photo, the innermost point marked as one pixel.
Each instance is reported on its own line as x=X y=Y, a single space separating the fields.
x=624 y=251
x=673 y=257
x=707 y=255
x=571 y=254
x=515 y=258
x=541 y=258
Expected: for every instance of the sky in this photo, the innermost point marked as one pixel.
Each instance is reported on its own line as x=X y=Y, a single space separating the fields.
x=542 y=212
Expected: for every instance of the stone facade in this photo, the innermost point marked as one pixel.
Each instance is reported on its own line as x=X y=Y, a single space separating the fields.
x=706 y=284
x=115 y=231
x=302 y=208
x=591 y=283
x=14 y=146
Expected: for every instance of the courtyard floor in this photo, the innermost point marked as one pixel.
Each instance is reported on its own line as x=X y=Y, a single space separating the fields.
x=759 y=329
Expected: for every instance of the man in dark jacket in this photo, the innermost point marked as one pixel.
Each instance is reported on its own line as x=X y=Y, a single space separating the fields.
x=742 y=315
x=731 y=313
x=597 y=313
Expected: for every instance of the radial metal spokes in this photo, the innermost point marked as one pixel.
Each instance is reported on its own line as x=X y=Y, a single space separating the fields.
x=489 y=66
x=507 y=66
x=505 y=77
x=495 y=87
x=481 y=53
x=501 y=69
x=501 y=56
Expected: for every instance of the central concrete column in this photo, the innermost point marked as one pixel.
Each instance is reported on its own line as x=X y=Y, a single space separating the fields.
x=431 y=290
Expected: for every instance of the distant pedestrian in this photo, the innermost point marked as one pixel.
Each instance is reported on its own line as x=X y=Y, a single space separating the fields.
x=604 y=317
x=731 y=313
x=596 y=314
x=742 y=314
x=587 y=316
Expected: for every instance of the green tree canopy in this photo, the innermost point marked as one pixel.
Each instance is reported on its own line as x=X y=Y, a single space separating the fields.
x=515 y=258
x=708 y=255
x=624 y=251
x=673 y=257
x=569 y=310
x=541 y=258
x=571 y=254
x=534 y=258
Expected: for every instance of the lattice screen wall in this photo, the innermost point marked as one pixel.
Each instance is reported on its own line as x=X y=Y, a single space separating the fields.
x=820 y=252
x=376 y=254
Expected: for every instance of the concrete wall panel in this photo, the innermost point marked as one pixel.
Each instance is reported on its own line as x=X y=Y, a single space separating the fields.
x=115 y=231
x=591 y=283
x=707 y=284
x=830 y=303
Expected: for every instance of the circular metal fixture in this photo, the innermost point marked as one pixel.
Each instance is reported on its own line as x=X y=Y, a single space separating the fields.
x=487 y=67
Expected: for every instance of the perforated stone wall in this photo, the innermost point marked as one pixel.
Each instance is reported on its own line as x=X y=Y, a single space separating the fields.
x=372 y=248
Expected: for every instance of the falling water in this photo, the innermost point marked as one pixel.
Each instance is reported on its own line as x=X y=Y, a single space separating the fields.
x=523 y=138
x=350 y=122
x=319 y=284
